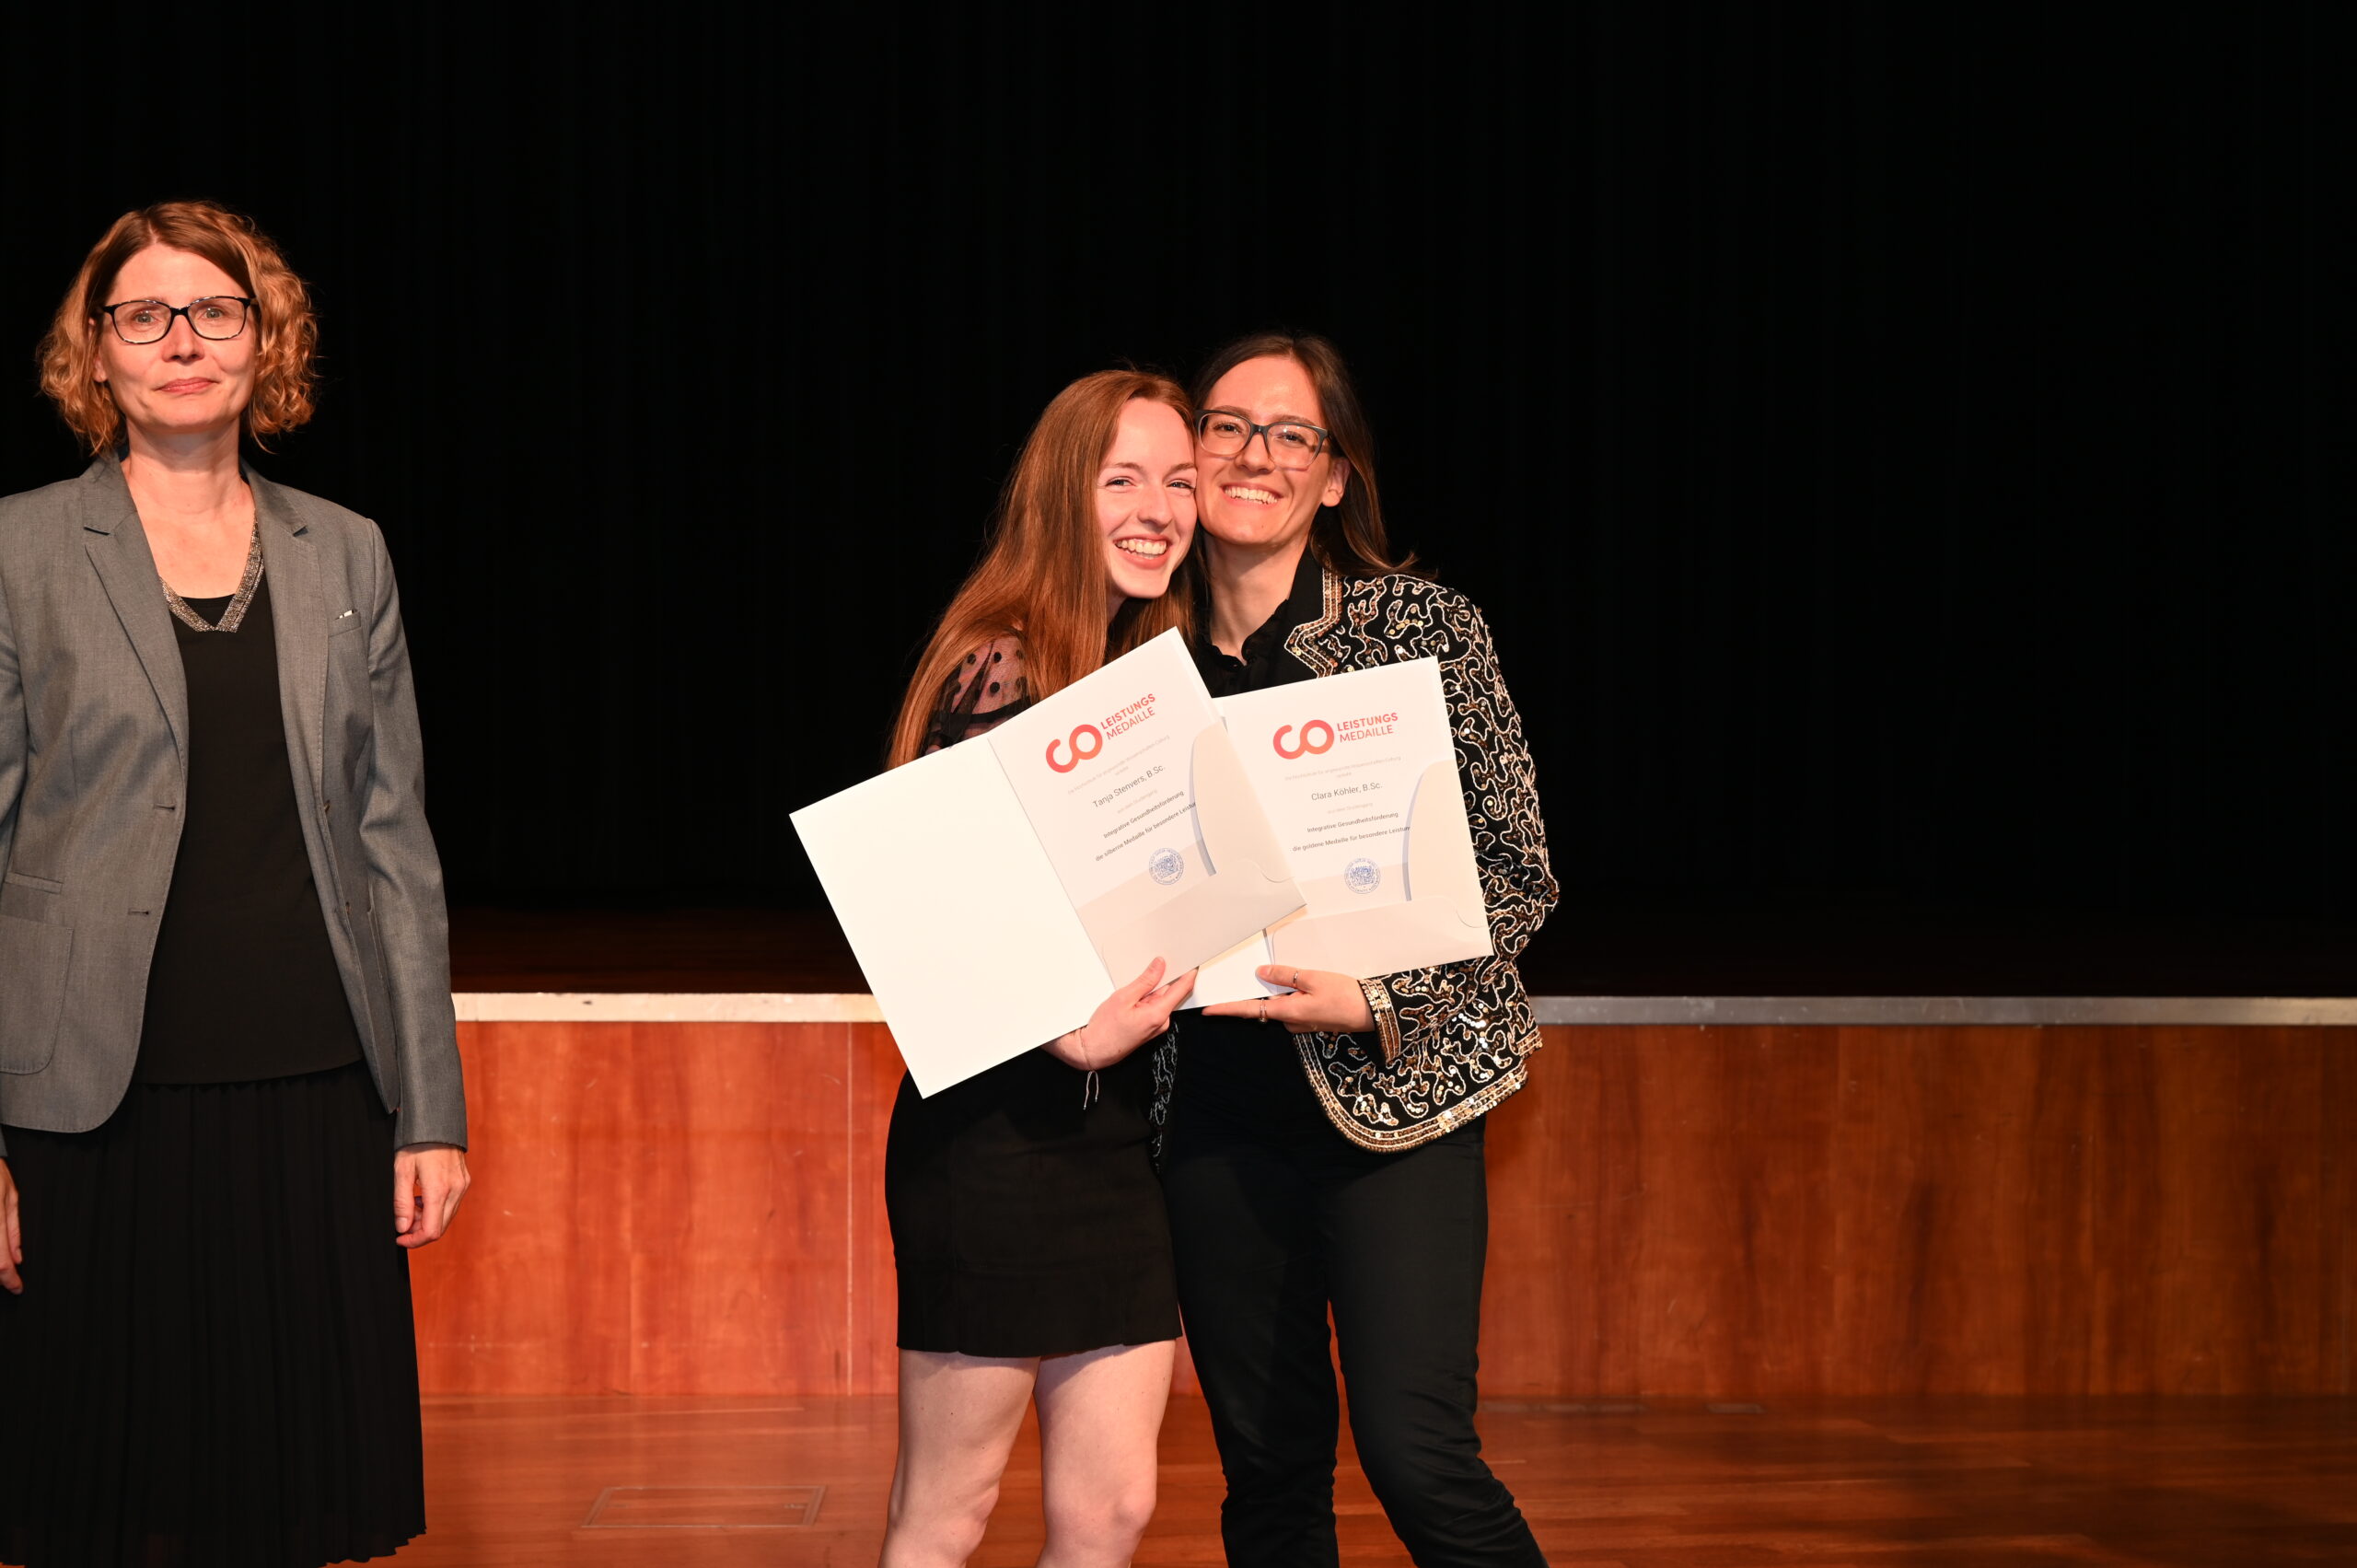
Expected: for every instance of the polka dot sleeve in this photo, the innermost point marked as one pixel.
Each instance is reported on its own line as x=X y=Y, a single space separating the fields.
x=985 y=691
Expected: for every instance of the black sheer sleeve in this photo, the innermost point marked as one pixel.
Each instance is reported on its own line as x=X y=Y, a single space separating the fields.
x=985 y=691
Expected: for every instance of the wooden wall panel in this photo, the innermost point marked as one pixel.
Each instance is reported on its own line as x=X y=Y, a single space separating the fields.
x=666 y=1209
x=1948 y=1175
x=2236 y=1211
x=1733 y=1212
x=2336 y=1288
x=876 y=1080
x=1726 y=1212
x=1566 y=1212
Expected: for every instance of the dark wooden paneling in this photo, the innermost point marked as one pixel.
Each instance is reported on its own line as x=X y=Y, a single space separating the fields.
x=1849 y=1212
x=1947 y=1176
x=682 y=1209
x=875 y=1082
x=667 y=1209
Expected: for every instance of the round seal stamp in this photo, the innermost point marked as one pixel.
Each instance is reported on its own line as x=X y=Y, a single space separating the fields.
x=1362 y=875
x=1167 y=867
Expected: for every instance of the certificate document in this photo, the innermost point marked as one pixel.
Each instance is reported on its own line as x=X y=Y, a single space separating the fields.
x=996 y=891
x=1358 y=772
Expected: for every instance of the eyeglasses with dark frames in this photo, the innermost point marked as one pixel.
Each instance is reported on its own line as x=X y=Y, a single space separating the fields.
x=217 y=320
x=1290 y=443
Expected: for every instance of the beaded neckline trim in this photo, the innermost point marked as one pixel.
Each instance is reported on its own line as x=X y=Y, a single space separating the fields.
x=235 y=615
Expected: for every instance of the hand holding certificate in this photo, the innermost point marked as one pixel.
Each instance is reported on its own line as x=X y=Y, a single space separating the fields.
x=995 y=893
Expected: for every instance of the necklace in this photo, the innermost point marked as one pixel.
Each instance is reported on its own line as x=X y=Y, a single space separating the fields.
x=231 y=617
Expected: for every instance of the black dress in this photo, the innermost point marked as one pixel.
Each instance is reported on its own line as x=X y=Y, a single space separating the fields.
x=213 y=1361
x=1026 y=1220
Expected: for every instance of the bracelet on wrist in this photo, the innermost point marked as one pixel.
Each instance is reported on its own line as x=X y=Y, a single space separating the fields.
x=1386 y=1020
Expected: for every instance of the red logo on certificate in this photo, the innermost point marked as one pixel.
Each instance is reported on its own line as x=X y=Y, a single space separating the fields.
x=1088 y=734
x=1305 y=746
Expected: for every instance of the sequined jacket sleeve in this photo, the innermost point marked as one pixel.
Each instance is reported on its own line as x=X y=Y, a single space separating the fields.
x=1454 y=1039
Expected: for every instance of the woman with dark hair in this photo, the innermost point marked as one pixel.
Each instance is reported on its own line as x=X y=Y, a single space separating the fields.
x=1323 y=1149
x=1033 y=1253
x=225 y=993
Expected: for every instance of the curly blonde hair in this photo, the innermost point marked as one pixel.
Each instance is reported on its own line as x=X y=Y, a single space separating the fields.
x=289 y=334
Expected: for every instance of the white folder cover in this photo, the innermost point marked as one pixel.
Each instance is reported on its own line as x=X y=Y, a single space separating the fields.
x=995 y=893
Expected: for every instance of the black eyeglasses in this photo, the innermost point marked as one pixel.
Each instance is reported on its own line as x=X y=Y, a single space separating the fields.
x=1291 y=443
x=217 y=320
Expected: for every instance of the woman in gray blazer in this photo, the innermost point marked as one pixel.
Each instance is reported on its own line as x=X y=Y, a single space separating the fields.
x=224 y=1005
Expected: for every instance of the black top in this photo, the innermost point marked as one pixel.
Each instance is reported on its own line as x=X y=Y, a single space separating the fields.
x=244 y=984
x=1242 y=1070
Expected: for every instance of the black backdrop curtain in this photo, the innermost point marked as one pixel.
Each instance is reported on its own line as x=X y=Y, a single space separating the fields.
x=1902 y=450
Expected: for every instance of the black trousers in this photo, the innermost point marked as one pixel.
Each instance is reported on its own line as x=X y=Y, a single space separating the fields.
x=1272 y=1228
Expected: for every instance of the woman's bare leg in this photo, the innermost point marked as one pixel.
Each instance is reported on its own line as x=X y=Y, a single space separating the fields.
x=1100 y=1415
x=959 y=1417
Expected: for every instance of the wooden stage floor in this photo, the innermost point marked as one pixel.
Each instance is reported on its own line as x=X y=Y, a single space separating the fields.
x=1929 y=1483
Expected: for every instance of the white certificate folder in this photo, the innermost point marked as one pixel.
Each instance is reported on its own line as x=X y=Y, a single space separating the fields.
x=995 y=893
x=1358 y=772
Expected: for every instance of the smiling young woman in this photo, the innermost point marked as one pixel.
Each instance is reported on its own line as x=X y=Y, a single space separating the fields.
x=1323 y=1152
x=224 y=1000
x=1056 y=575
x=1027 y=1230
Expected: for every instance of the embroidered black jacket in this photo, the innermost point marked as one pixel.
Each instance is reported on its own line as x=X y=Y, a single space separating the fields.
x=1454 y=1039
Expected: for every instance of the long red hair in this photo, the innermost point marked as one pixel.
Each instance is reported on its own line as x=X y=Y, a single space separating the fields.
x=1042 y=576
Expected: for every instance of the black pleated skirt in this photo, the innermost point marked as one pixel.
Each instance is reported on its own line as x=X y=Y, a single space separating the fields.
x=213 y=1361
x=1025 y=1223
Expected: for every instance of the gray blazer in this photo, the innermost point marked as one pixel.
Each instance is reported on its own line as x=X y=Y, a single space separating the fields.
x=93 y=746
